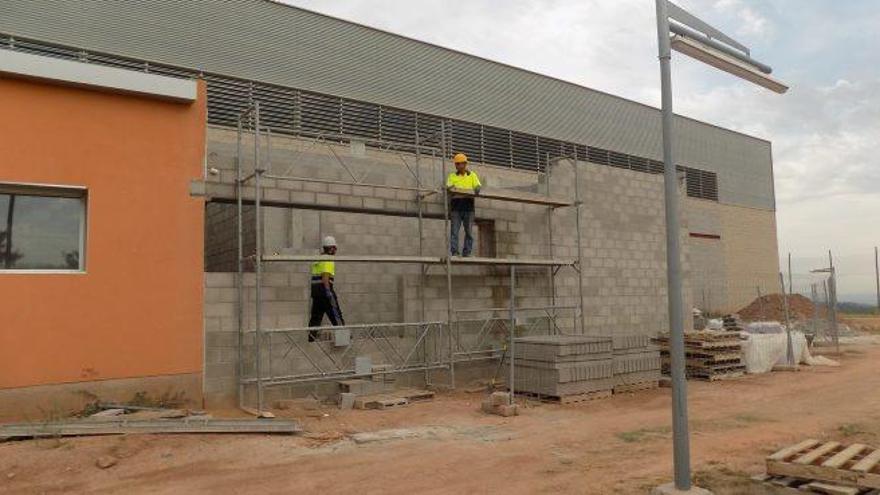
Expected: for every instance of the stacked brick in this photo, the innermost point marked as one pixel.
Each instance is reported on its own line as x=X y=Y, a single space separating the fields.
x=709 y=355
x=733 y=323
x=559 y=366
x=636 y=363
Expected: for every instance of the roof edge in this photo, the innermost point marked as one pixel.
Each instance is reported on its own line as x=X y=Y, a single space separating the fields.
x=510 y=66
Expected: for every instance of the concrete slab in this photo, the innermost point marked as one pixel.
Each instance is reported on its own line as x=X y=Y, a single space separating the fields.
x=669 y=489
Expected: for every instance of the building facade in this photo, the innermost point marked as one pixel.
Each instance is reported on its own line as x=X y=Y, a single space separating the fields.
x=328 y=87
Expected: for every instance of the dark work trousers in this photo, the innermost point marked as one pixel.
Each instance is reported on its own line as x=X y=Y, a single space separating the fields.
x=324 y=302
x=461 y=218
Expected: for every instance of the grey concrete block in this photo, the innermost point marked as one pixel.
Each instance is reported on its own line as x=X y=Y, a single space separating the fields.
x=327 y=199
x=346 y=401
x=635 y=362
x=552 y=347
x=363 y=365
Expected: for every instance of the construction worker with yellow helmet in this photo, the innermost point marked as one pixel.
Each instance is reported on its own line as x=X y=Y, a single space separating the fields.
x=461 y=207
x=324 y=300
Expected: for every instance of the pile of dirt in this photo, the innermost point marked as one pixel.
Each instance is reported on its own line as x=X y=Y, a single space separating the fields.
x=770 y=307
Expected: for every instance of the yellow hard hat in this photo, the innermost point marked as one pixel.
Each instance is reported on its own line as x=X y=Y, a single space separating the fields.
x=460 y=158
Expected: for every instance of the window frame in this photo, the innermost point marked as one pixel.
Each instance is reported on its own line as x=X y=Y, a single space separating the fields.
x=53 y=191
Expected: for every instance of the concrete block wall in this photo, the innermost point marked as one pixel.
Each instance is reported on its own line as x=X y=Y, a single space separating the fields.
x=622 y=227
x=727 y=272
x=751 y=253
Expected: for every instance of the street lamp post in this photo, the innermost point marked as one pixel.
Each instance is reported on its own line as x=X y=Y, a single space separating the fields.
x=699 y=40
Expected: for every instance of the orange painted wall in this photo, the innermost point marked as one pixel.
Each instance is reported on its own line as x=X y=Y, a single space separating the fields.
x=137 y=311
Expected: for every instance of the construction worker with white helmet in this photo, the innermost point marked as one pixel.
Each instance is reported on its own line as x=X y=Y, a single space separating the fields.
x=324 y=300
x=461 y=207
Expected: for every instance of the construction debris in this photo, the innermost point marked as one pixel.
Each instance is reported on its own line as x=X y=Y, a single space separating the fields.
x=123 y=426
x=709 y=355
x=827 y=467
x=108 y=413
x=106 y=461
x=557 y=366
x=396 y=398
x=499 y=403
x=305 y=404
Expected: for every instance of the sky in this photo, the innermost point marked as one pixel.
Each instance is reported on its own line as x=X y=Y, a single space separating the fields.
x=825 y=131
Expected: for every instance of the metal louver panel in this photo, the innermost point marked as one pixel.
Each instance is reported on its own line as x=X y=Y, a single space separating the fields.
x=397 y=125
x=292 y=111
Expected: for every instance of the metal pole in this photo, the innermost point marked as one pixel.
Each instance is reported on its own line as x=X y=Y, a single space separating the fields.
x=449 y=312
x=814 y=296
x=580 y=257
x=790 y=284
x=832 y=292
x=421 y=253
x=680 y=442
x=239 y=282
x=761 y=302
x=510 y=382
x=258 y=258
x=827 y=300
x=551 y=269
x=789 y=352
x=877 y=276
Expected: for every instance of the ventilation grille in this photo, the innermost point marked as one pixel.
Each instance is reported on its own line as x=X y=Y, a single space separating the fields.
x=298 y=112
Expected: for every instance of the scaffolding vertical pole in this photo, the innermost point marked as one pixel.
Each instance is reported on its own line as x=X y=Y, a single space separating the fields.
x=512 y=332
x=789 y=352
x=268 y=167
x=760 y=302
x=814 y=297
x=421 y=252
x=239 y=283
x=832 y=293
x=827 y=303
x=580 y=256
x=552 y=269
x=258 y=258
x=449 y=313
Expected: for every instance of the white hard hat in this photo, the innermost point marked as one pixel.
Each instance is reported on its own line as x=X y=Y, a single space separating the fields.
x=329 y=241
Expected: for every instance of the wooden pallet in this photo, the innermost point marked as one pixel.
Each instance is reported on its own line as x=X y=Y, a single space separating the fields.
x=568 y=399
x=708 y=363
x=853 y=465
x=635 y=387
x=397 y=398
x=711 y=375
x=728 y=375
x=810 y=486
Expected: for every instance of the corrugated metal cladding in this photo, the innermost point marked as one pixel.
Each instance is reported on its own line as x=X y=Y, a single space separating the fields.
x=273 y=43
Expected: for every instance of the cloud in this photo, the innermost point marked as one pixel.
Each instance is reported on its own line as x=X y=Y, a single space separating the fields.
x=751 y=22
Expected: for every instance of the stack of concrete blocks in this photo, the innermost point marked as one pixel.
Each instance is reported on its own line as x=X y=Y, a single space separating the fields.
x=636 y=363
x=563 y=365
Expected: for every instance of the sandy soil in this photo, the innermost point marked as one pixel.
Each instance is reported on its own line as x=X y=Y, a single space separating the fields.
x=616 y=445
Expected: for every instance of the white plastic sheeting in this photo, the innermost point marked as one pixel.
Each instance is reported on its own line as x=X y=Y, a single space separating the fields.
x=765 y=327
x=763 y=351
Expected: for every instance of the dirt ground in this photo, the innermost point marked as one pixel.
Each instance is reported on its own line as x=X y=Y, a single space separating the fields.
x=616 y=445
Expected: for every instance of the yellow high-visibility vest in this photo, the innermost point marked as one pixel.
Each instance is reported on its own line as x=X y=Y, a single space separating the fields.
x=468 y=181
x=319 y=268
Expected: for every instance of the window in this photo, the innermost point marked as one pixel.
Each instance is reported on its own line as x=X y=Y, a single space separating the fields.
x=42 y=228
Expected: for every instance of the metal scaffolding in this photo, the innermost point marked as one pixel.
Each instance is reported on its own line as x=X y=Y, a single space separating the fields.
x=432 y=345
